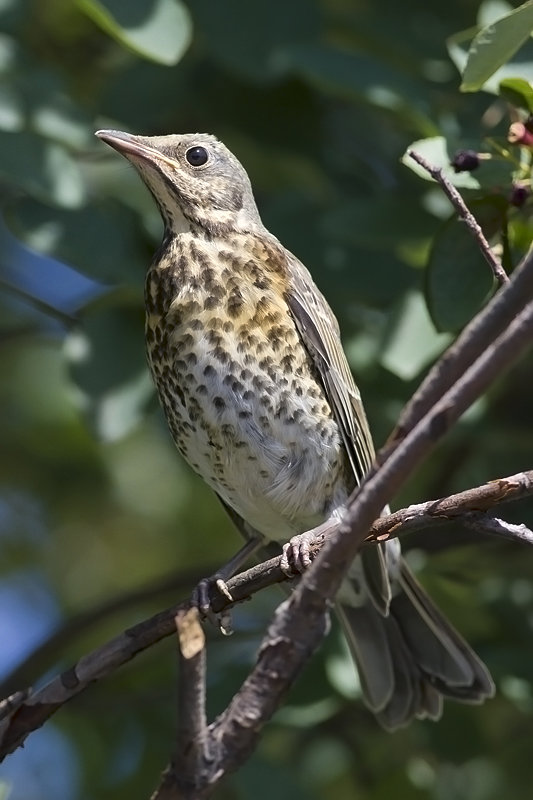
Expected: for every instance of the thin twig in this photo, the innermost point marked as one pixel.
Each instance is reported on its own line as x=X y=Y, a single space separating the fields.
x=456 y=507
x=45 y=655
x=463 y=213
x=485 y=523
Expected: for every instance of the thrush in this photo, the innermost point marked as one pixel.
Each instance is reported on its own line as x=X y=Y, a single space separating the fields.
x=247 y=359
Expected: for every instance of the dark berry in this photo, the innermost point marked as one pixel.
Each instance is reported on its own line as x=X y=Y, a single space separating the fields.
x=465 y=161
x=519 y=195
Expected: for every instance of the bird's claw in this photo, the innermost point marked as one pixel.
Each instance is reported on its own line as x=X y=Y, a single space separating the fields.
x=202 y=600
x=222 y=587
x=296 y=555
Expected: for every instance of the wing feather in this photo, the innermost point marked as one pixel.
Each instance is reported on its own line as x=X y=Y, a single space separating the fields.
x=320 y=333
x=319 y=330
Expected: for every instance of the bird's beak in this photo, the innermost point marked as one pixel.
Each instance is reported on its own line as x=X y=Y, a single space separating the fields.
x=130 y=146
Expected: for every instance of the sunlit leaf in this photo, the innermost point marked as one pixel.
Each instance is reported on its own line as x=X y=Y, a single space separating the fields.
x=412 y=341
x=350 y=74
x=517 y=91
x=159 y=30
x=435 y=151
x=11 y=109
x=495 y=44
x=117 y=388
x=58 y=118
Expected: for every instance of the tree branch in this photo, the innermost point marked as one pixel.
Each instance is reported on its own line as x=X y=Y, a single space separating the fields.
x=27 y=712
x=459 y=507
x=463 y=213
x=44 y=656
x=485 y=523
x=192 y=752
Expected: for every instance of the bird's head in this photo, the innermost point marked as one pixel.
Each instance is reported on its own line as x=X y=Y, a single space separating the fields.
x=196 y=181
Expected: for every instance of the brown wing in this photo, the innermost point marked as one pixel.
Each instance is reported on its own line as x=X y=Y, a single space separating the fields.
x=319 y=330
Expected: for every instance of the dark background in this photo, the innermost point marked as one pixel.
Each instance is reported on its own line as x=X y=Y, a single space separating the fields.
x=319 y=99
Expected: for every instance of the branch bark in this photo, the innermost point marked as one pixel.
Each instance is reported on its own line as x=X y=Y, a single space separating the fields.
x=26 y=712
x=192 y=747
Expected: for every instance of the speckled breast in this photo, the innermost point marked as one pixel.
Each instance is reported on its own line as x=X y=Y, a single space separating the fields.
x=239 y=391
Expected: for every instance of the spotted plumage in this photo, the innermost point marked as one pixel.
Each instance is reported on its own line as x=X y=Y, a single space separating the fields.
x=247 y=360
x=236 y=385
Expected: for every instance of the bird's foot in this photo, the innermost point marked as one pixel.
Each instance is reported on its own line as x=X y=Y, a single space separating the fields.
x=298 y=553
x=202 y=596
x=202 y=599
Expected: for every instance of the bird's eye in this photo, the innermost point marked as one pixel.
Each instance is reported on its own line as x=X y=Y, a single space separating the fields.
x=197 y=156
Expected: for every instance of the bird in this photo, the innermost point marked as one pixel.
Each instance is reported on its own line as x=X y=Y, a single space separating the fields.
x=246 y=356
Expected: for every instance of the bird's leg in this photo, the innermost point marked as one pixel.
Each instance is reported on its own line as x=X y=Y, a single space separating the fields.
x=297 y=555
x=200 y=595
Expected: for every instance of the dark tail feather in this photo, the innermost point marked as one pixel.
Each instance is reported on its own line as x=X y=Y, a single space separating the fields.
x=411 y=658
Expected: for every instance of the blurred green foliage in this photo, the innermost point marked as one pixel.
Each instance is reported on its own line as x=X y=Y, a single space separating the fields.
x=320 y=99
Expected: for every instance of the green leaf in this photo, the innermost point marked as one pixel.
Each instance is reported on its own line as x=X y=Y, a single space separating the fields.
x=495 y=44
x=158 y=30
x=437 y=152
x=518 y=92
x=412 y=341
x=458 y=279
x=490 y=11
x=384 y=277
x=361 y=222
x=11 y=109
x=493 y=174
